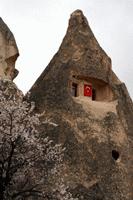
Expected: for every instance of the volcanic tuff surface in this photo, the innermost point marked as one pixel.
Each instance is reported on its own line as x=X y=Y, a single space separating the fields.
x=8 y=52
x=97 y=134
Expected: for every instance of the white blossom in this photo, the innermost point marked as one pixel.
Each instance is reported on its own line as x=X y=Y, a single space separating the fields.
x=27 y=161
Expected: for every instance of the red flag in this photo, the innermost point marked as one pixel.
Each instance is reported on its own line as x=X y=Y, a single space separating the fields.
x=88 y=90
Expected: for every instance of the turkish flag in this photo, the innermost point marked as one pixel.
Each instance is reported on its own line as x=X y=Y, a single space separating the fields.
x=88 y=90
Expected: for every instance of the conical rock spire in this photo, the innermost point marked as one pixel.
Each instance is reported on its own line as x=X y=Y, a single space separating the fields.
x=96 y=130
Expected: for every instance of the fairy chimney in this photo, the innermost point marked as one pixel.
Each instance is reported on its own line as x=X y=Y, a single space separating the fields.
x=93 y=111
x=8 y=52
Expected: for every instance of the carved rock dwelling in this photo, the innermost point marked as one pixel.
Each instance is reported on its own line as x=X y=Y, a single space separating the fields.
x=80 y=92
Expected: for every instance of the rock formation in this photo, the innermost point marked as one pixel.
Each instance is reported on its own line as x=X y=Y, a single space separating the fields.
x=96 y=128
x=8 y=52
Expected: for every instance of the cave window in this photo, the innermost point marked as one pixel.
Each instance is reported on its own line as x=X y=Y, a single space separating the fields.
x=93 y=94
x=74 y=89
x=115 y=154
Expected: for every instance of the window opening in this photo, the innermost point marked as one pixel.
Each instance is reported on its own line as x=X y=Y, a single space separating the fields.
x=115 y=154
x=74 y=89
x=93 y=94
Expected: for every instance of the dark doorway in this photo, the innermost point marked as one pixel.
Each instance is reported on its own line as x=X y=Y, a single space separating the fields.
x=74 y=89
x=93 y=94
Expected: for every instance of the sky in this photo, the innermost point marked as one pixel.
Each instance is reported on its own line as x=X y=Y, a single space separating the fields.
x=40 y=25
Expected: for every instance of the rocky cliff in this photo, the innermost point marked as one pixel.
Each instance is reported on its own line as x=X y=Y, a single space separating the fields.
x=8 y=52
x=97 y=134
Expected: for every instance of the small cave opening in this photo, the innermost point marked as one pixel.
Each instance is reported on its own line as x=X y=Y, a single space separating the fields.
x=115 y=154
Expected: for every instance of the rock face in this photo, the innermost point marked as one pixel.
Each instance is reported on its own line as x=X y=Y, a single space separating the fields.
x=95 y=126
x=8 y=52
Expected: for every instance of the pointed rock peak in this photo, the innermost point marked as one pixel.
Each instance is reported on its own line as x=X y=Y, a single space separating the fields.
x=79 y=36
x=78 y=17
x=80 y=45
x=77 y=12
